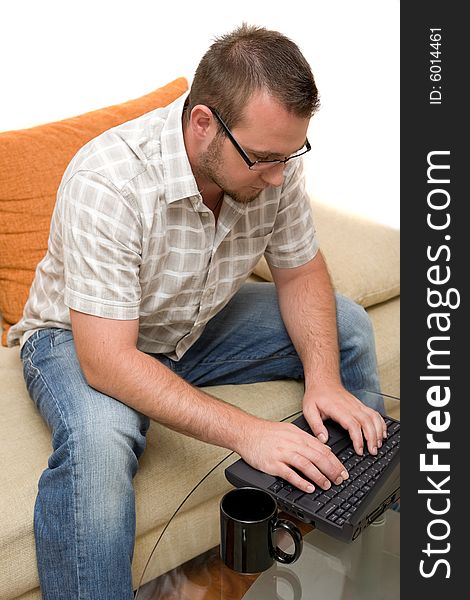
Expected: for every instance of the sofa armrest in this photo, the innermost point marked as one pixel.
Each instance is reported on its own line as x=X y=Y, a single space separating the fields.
x=363 y=257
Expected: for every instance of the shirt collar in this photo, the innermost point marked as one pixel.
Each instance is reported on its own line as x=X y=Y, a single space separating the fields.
x=179 y=178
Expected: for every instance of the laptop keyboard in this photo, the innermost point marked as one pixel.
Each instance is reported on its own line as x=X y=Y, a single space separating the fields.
x=338 y=504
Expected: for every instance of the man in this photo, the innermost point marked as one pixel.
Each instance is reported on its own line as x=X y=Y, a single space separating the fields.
x=141 y=298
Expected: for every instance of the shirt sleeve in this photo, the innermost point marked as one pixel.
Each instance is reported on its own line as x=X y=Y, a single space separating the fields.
x=101 y=233
x=293 y=242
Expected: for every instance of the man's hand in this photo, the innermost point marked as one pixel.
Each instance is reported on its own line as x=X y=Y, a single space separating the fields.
x=344 y=408
x=284 y=450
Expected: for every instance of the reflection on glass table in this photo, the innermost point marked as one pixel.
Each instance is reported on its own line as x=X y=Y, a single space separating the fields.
x=367 y=568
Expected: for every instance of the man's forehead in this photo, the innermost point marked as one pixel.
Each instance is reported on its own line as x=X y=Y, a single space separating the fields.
x=267 y=127
x=261 y=104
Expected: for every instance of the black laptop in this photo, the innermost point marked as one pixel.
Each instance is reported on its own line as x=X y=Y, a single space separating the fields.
x=345 y=510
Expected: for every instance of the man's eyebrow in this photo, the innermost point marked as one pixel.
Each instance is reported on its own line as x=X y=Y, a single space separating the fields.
x=265 y=153
x=272 y=153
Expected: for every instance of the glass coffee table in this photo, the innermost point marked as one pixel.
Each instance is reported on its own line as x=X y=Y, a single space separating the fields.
x=366 y=569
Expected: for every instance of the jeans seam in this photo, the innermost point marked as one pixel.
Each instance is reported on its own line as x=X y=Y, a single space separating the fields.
x=72 y=464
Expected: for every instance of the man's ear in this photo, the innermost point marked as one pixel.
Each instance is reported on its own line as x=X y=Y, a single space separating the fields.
x=202 y=123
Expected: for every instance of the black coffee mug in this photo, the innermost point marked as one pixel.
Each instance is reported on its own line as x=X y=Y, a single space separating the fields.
x=248 y=522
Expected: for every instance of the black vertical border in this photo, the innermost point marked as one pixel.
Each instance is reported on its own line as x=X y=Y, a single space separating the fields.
x=425 y=128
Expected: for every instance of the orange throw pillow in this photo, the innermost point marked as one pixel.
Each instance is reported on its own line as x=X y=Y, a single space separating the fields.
x=32 y=162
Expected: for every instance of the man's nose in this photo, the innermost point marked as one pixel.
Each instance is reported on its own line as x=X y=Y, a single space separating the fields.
x=275 y=175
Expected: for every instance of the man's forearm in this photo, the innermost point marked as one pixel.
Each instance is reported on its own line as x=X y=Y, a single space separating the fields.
x=146 y=385
x=308 y=309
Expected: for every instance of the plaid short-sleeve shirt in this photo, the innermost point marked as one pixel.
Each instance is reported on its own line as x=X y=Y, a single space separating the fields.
x=132 y=239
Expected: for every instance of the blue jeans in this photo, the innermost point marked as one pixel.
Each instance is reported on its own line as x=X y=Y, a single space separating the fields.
x=84 y=519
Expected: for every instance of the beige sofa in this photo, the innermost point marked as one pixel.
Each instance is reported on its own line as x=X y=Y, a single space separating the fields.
x=363 y=259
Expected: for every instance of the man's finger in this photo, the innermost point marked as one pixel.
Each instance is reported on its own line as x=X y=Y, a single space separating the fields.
x=316 y=425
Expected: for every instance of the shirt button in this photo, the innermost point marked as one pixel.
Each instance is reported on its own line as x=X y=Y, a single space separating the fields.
x=205 y=214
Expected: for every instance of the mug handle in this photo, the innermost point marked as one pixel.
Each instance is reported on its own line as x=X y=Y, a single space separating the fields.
x=294 y=532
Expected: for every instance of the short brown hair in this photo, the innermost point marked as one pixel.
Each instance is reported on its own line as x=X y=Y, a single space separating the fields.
x=249 y=59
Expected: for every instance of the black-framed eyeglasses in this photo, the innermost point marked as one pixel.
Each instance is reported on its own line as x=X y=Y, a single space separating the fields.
x=257 y=165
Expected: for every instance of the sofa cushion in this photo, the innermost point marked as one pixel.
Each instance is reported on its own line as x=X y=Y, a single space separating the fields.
x=362 y=256
x=32 y=162
x=385 y=319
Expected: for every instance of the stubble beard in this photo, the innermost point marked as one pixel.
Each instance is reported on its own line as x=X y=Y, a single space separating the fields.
x=210 y=167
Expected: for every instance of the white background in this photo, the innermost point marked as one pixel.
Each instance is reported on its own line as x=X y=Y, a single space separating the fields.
x=62 y=58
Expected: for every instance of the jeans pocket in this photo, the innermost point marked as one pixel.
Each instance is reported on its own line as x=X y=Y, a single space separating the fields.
x=30 y=371
x=36 y=346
